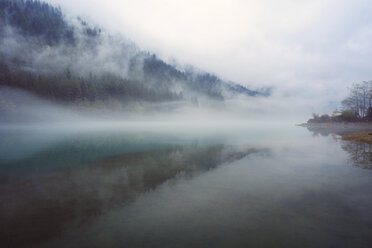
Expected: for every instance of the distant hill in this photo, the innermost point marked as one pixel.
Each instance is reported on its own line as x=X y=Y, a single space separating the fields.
x=67 y=60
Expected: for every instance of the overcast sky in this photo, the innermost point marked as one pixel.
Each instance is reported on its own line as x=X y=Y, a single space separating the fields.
x=308 y=49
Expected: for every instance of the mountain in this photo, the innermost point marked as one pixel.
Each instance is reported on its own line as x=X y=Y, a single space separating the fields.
x=68 y=60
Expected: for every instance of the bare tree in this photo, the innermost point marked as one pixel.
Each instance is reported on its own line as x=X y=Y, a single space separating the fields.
x=359 y=99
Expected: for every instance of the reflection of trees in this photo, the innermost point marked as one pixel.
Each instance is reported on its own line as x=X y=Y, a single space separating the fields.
x=339 y=130
x=38 y=208
x=360 y=154
x=319 y=131
x=325 y=132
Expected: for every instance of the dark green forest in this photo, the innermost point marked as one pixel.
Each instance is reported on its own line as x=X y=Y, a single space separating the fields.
x=45 y=27
x=68 y=88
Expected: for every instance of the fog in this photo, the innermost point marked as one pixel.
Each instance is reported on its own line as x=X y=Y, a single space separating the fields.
x=20 y=109
x=171 y=123
x=310 y=51
x=306 y=52
x=106 y=53
x=113 y=54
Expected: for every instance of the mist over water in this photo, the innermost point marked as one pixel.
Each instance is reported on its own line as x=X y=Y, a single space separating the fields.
x=103 y=144
x=191 y=185
x=21 y=108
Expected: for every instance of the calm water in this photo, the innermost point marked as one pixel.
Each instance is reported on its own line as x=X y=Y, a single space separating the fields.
x=253 y=186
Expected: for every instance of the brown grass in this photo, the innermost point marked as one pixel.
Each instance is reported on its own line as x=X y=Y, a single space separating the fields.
x=365 y=137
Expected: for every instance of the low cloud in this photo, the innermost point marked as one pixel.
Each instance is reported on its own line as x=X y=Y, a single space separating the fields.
x=312 y=49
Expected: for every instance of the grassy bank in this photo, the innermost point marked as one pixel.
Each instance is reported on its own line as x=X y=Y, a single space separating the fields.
x=365 y=137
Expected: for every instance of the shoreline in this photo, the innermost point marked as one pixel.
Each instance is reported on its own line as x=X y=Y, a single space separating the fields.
x=337 y=125
x=349 y=131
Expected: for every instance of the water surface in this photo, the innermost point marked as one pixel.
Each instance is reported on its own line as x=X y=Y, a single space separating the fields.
x=241 y=186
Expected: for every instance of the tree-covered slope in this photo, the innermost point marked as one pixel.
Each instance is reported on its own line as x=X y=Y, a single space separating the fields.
x=68 y=60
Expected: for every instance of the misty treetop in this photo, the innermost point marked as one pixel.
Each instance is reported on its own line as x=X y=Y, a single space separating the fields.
x=44 y=52
x=36 y=18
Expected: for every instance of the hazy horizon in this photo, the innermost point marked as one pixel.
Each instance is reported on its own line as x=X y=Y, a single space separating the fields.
x=174 y=123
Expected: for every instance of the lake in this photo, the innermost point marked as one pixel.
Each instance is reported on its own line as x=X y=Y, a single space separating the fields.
x=150 y=185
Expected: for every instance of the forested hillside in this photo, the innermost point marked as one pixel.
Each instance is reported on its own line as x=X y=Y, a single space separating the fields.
x=67 y=60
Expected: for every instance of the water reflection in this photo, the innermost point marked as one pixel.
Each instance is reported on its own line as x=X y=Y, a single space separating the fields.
x=338 y=130
x=36 y=208
x=360 y=154
x=26 y=153
x=303 y=195
x=263 y=187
